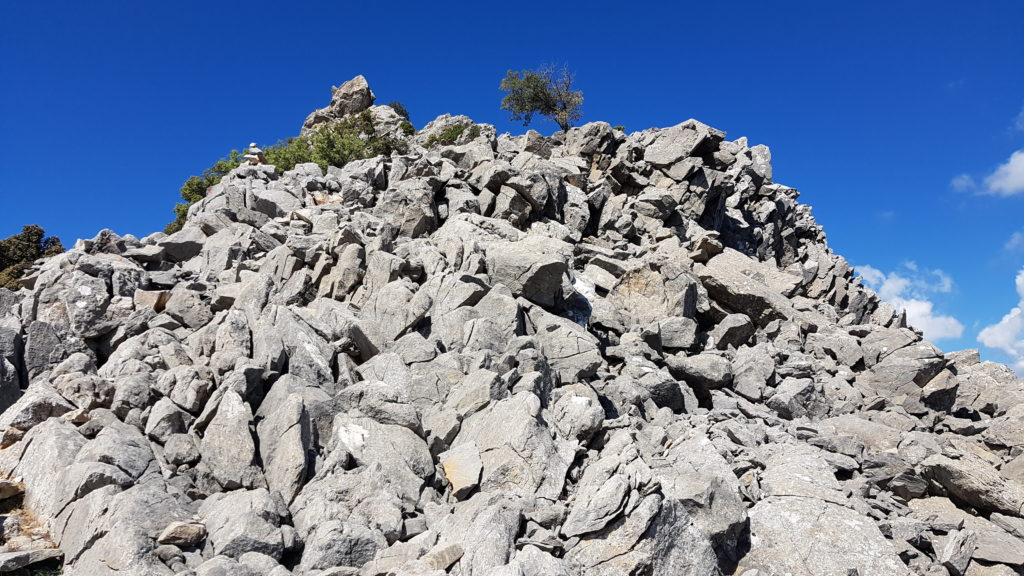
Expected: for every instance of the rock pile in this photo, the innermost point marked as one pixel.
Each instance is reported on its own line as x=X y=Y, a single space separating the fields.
x=594 y=353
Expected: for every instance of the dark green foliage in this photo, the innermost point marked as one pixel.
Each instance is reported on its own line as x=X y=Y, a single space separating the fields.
x=19 y=251
x=446 y=137
x=336 y=144
x=451 y=134
x=407 y=128
x=194 y=189
x=620 y=128
x=546 y=91
x=286 y=154
x=353 y=138
x=399 y=109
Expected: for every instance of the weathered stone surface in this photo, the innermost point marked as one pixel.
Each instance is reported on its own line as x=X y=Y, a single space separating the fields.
x=183 y=534
x=242 y=521
x=11 y=561
x=349 y=98
x=462 y=467
x=808 y=536
x=593 y=353
x=975 y=482
x=227 y=447
x=532 y=267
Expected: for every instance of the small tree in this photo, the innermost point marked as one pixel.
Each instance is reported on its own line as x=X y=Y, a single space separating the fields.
x=546 y=91
x=18 y=252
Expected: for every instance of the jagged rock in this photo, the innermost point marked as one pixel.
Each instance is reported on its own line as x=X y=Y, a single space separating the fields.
x=592 y=353
x=12 y=561
x=227 y=447
x=808 y=536
x=707 y=370
x=733 y=331
x=349 y=98
x=974 y=481
x=243 y=521
x=532 y=267
x=462 y=467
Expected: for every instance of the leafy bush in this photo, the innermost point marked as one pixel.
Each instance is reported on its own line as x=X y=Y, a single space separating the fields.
x=19 y=251
x=620 y=128
x=407 y=128
x=451 y=134
x=194 y=189
x=336 y=144
x=399 y=109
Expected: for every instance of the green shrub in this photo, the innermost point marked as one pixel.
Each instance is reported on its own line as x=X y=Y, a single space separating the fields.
x=620 y=128
x=287 y=154
x=18 y=252
x=399 y=109
x=194 y=189
x=335 y=144
x=451 y=134
x=407 y=128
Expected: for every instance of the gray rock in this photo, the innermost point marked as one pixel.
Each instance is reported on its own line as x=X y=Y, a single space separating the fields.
x=808 y=536
x=957 y=550
x=707 y=370
x=462 y=467
x=12 y=561
x=974 y=481
x=794 y=398
x=733 y=331
x=285 y=438
x=227 y=447
x=532 y=267
x=757 y=289
x=183 y=534
x=349 y=98
x=181 y=449
x=673 y=144
x=242 y=521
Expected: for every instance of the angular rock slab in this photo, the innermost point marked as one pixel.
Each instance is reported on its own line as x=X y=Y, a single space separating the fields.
x=808 y=536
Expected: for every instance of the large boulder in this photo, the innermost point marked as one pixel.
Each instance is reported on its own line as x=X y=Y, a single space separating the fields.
x=350 y=98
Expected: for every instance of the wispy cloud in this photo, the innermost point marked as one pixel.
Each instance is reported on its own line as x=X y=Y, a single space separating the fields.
x=1015 y=243
x=963 y=183
x=1007 y=335
x=909 y=289
x=1018 y=122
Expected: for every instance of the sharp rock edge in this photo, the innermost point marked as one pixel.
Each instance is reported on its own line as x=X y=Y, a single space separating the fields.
x=592 y=353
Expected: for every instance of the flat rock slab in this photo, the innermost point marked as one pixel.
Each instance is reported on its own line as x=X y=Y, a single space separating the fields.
x=11 y=561
x=462 y=468
x=794 y=535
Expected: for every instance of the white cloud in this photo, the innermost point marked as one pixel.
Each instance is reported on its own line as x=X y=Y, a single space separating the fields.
x=1016 y=242
x=1008 y=334
x=908 y=289
x=962 y=183
x=1018 y=122
x=1008 y=179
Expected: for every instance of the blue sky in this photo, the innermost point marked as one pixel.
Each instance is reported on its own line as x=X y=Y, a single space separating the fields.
x=898 y=121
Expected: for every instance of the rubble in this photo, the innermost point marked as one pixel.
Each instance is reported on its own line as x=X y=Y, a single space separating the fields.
x=591 y=353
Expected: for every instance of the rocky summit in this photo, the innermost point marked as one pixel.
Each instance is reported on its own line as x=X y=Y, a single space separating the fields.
x=594 y=353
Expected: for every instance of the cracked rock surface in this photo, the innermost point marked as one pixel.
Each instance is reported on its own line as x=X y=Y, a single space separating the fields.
x=594 y=353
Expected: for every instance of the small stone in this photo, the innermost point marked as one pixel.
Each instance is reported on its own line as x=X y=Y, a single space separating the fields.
x=462 y=467
x=183 y=534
